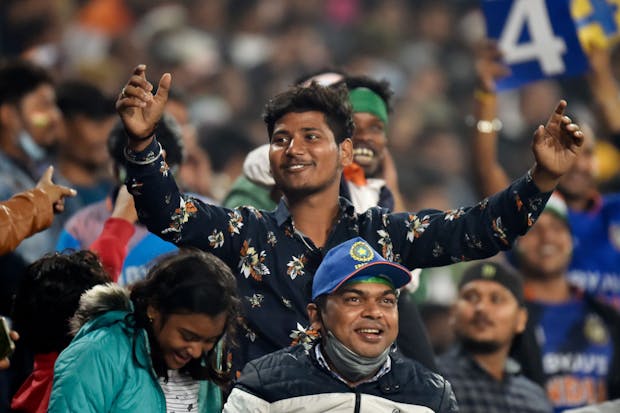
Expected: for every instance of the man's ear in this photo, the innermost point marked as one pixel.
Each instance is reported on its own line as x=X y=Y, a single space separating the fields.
x=346 y=152
x=521 y=320
x=314 y=315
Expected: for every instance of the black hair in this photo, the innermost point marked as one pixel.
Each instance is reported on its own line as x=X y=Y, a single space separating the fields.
x=380 y=87
x=321 y=302
x=19 y=78
x=49 y=293
x=223 y=142
x=168 y=133
x=76 y=97
x=189 y=282
x=332 y=101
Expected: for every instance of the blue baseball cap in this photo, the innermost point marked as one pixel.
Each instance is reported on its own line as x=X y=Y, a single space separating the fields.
x=353 y=259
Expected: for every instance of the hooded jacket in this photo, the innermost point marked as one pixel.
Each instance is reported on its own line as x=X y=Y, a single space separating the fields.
x=107 y=367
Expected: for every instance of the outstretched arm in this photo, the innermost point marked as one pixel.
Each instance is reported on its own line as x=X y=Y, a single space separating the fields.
x=175 y=217
x=31 y=211
x=489 y=174
x=555 y=145
x=111 y=245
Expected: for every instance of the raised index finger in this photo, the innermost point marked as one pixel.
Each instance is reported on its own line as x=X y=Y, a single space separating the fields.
x=140 y=70
x=138 y=78
x=47 y=175
x=561 y=106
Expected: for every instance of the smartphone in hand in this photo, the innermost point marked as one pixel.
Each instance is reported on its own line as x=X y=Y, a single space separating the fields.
x=6 y=343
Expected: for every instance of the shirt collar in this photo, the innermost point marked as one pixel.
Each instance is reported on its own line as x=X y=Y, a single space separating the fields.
x=283 y=215
x=511 y=367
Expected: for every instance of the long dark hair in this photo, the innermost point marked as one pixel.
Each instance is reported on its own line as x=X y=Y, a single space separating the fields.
x=190 y=282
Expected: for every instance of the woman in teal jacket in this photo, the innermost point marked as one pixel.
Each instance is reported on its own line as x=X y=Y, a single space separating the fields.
x=154 y=349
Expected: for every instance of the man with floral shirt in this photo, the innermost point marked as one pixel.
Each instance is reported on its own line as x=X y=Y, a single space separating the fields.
x=276 y=253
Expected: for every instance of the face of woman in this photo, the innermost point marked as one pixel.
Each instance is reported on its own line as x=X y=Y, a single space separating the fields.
x=182 y=337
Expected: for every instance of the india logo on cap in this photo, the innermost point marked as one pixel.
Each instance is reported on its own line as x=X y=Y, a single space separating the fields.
x=360 y=251
x=488 y=271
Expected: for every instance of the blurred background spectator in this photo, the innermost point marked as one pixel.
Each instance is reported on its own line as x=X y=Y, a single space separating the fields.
x=227 y=56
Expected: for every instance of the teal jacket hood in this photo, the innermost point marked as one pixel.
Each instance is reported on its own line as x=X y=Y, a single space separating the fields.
x=107 y=367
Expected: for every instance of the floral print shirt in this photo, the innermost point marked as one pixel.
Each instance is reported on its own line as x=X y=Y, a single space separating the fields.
x=274 y=262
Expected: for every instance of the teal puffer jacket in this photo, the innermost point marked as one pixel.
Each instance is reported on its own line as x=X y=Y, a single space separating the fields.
x=107 y=368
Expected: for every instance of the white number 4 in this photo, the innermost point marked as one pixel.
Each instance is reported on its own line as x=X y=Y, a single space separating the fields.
x=543 y=46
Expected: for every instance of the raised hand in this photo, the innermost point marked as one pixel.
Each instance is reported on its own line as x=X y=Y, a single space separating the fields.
x=556 y=147
x=489 y=66
x=138 y=108
x=56 y=193
x=124 y=206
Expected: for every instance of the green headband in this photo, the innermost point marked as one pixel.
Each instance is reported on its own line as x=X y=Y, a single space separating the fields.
x=365 y=100
x=375 y=279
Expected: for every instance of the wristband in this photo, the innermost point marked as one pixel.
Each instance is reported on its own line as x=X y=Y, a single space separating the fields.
x=130 y=156
x=489 y=126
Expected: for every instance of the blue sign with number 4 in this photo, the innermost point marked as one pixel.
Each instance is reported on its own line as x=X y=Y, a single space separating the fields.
x=537 y=38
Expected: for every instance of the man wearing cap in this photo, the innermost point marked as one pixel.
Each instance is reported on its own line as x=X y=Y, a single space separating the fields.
x=353 y=366
x=275 y=253
x=488 y=314
x=571 y=344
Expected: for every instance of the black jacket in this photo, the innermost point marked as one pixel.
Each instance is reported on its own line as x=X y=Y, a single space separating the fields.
x=292 y=373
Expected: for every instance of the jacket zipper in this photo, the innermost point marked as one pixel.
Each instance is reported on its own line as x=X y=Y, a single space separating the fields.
x=357 y=401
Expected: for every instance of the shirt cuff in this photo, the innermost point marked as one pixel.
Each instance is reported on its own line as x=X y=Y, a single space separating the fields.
x=148 y=155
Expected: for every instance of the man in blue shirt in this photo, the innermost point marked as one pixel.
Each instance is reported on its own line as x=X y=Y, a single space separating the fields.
x=276 y=253
x=572 y=341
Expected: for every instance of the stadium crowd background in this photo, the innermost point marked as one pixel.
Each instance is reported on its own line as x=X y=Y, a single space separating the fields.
x=227 y=56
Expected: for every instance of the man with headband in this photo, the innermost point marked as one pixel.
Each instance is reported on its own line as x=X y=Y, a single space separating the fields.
x=352 y=366
x=371 y=179
x=488 y=314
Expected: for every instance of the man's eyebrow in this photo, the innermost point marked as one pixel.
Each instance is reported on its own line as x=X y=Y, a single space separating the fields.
x=306 y=129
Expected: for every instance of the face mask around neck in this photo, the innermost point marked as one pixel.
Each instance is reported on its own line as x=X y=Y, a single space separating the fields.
x=32 y=149
x=349 y=364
